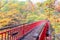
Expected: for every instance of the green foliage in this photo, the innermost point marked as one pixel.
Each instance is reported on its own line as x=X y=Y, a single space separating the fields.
x=19 y=11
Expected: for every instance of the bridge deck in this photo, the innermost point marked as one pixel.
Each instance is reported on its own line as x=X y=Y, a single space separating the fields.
x=33 y=35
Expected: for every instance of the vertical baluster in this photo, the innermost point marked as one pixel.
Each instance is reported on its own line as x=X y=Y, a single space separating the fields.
x=14 y=36
x=11 y=38
x=4 y=36
x=1 y=36
x=7 y=36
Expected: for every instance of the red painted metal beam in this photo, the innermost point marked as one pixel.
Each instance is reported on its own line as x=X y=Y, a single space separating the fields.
x=20 y=31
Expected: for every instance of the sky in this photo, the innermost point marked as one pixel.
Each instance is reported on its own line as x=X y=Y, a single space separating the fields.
x=56 y=2
x=41 y=1
x=35 y=1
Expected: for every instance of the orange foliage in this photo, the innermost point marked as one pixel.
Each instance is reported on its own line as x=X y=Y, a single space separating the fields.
x=58 y=8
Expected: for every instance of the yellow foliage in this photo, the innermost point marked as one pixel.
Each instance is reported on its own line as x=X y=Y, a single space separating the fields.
x=2 y=14
x=12 y=12
x=1 y=3
x=4 y=22
x=54 y=27
x=14 y=5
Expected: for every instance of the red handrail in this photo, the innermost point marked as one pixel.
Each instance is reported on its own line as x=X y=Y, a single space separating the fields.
x=18 y=32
